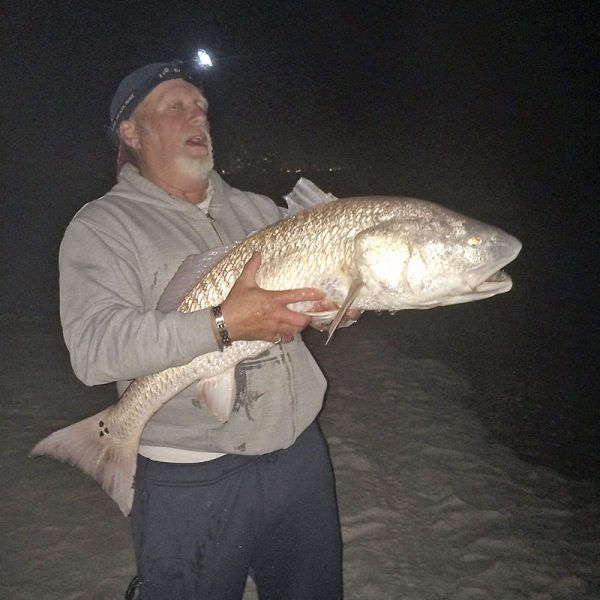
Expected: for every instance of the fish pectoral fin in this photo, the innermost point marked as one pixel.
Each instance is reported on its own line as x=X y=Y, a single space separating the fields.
x=346 y=304
x=217 y=394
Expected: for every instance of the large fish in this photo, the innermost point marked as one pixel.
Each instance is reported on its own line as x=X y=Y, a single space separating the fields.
x=371 y=253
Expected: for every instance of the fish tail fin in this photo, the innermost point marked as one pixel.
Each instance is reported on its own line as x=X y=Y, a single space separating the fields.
x=85 y=445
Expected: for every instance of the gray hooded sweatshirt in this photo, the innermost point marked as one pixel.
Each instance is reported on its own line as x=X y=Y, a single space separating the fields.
x=117 y=256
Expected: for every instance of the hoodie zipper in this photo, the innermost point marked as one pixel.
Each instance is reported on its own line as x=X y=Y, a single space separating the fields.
x=213 y=222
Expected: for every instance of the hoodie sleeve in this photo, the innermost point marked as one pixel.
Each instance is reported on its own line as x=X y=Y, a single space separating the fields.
x=109 y=333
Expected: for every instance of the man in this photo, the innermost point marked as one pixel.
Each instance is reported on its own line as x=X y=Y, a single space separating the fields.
x=213 y=501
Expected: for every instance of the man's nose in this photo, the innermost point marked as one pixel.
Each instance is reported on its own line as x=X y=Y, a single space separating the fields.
x=198 y=116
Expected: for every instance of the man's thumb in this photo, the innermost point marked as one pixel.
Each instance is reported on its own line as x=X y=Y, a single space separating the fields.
x=251 y=268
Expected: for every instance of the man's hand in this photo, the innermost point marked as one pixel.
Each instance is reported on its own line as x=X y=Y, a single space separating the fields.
x=352 y=315
x=252 y=313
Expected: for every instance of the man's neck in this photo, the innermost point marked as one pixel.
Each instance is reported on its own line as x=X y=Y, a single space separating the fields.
x=192 y=190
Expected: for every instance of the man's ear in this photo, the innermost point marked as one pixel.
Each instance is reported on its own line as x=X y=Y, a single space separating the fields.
x=128 y=134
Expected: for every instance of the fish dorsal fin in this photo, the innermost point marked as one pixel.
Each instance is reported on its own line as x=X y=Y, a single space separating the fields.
x=186 y=277
x=346 y=304
x=306 y=195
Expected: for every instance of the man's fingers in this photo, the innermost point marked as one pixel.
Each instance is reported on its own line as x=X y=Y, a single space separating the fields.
x=353 y=314
x=253 y=313
x=299 y=295
x=283 y=296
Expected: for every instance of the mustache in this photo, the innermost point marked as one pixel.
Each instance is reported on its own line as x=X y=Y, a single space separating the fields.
x=203 y=136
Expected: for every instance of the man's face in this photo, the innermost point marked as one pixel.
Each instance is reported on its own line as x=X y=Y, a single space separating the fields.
x=172 y=131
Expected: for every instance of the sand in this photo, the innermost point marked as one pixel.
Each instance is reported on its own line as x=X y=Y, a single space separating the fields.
x=432 y=505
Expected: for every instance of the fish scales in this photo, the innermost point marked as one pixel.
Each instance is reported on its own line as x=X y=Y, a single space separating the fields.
x=328 y=233
x=400 y=251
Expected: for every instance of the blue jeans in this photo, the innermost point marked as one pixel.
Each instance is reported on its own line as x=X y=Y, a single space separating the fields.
x=200 y=529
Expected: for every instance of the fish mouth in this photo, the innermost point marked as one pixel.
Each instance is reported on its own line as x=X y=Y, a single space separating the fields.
x=491 y=278
x=497 y=283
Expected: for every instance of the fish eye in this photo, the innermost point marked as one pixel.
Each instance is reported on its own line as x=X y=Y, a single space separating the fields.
x=474 y=241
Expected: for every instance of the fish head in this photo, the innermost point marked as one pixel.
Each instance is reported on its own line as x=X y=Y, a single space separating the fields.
x=434 y=259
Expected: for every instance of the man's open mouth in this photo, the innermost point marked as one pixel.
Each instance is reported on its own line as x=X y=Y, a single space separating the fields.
x=197 y=140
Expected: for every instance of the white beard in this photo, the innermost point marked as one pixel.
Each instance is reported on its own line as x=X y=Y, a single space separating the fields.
x=197 y=167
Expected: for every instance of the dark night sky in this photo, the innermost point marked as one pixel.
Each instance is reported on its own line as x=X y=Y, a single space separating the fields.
x=446 y=100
